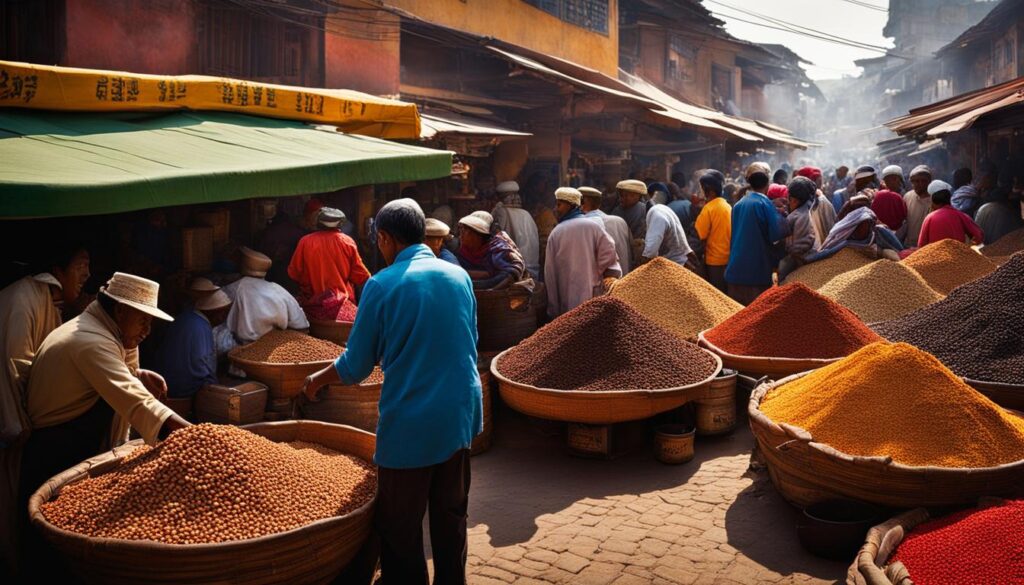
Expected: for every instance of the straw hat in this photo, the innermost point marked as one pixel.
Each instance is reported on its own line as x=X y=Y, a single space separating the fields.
x=632 y=185
x=254 y=264
x=218 y=300
x=507 y=187
x=569 y=195
x=136 y=292
x=590 y=192
x=478 y=221
x=203 y=285
x=436 y=228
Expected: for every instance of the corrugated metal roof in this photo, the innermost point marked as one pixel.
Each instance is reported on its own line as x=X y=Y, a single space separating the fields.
x=959 y=112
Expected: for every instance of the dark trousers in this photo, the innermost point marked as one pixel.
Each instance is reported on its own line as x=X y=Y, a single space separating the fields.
x=716 y=276
x=744 y=294
x=403 y=496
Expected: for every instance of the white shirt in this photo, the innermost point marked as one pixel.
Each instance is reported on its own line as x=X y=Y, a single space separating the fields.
x=261 y=306
x=665 y=235
x=618 y=229
x=578 y=252
x=918 y=207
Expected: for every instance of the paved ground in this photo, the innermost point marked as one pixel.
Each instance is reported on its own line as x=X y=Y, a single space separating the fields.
x=538 y=515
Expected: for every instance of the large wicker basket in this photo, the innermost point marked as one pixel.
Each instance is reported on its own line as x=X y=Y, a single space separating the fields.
x=335 y=331
x=598 y=408
x=314 y=553
x=506 y=317
x=1005 y=395
x=772 y=367
x=284 y=381
x=806 y=472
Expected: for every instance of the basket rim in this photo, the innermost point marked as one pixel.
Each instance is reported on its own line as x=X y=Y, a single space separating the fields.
x=759 y=418
x=817 y=362
x=232 y=355
x=329 y=323
x=39 y=519
x=591 y=394
x=992 y=385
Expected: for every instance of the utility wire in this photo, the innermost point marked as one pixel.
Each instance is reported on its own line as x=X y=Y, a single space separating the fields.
x=866 y=5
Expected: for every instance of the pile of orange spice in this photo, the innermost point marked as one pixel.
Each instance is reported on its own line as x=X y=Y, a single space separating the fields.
x=894 y=400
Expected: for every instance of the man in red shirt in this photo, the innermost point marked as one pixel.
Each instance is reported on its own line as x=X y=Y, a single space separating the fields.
x=891 y=210
x=946 y=222
x=327 y=261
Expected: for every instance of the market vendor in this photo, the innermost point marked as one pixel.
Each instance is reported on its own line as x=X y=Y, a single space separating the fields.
x=489 y=256
x=327 y=266
x=437 y=234
x=613 y=224
x=30 y=309
x=630 y=192
x=511 y=218
x=581 y=258
x=430 y=404
x=187 y=356
x=260 y=306
x=86 y=387
x=947 y=222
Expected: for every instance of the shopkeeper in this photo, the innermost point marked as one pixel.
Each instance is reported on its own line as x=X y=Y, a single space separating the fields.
x=327 y=266
x=260 y=306
x=86 y=388
x=489 y=255
x=438 y=234
x=431 y=403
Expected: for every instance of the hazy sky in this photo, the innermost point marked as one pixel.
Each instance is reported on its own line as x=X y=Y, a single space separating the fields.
x=843 y=18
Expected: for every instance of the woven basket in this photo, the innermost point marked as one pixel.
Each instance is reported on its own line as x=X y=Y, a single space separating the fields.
x=505 y=317
x=314 y=553
x=773 y=367
x=1005 y=395
x=354 y=405
x=598 y=407
x=335 y=331
x=282 y=380
x=806 y=472
x=482 y=442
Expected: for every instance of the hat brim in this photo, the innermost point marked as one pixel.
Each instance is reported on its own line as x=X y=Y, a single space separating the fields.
x=253 y=273
x=151 y=311
x=864 y=175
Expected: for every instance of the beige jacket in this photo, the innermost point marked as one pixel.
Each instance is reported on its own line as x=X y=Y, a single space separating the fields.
x=83 y=361
x=27 y=316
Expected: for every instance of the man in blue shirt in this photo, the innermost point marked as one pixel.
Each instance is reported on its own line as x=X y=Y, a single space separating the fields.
x=756 y=226
x=431 y=404
x=187 y=356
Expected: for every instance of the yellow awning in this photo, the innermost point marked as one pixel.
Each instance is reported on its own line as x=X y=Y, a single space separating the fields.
x=26 y=85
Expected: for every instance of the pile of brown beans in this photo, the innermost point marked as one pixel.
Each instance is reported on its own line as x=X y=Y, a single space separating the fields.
x=1007 y=245
x=816 y=274
x=947 y=264
x=214 y=483
x=881 y=291
x=288 y=347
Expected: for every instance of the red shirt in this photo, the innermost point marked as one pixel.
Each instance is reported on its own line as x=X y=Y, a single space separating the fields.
x=327 y=260
x=890 y=208
x=946 y=222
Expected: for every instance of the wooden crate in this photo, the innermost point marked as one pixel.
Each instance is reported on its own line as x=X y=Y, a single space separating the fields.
x=242 y=404
x=220 y=221
x=604 y=441
x=196 y=249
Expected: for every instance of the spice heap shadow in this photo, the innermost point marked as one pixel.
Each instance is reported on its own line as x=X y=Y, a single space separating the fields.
x=894 y=400
x=288 y=347
x=977 y=546
x=675 y=298
x=792 y=321
x=1007 y=245
x=977 y=331
x=604 y=344
x=881 y=291
x=212 y=483
x=947 y=264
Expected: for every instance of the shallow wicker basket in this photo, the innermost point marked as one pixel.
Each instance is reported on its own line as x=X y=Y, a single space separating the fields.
x=806 y=472
x=1005 y=395
x=335 y=331
x=596 y=407
x=772 y=367
x=283 y=380
x=314 y=553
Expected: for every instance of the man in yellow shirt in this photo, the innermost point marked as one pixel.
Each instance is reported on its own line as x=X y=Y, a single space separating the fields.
x=714 y=226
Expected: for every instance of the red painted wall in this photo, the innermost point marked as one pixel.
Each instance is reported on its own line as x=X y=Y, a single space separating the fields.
x=155 y=36
x=363 y=57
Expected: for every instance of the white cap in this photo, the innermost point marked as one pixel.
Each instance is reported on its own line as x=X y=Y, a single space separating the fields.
x=633 y=186
x=218 y=300
x=569 y=195
x=892 y=170
x=921 y=170
x=936 y=186
x=508 y=187
x=478 y=221
x=436 y=228
x=590 y=192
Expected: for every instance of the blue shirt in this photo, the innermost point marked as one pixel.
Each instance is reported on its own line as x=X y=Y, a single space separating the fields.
x=756 y=225
x=187 y=357
x=417 y=318
x=447 y=256
x=682 y=208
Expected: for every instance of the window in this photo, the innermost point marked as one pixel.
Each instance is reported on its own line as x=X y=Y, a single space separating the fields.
x=682 y=59
x=588 y=14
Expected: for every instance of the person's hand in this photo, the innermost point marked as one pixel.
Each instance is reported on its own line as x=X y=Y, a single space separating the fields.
x=153 y=382
x=310 y=388
x=608 y=282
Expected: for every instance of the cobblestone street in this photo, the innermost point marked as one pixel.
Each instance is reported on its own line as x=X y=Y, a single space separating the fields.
x=538 y=515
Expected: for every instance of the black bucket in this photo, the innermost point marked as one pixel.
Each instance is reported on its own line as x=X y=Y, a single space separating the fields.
x=836 y=529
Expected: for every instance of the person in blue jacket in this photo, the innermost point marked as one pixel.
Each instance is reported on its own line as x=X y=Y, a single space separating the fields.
x=756 y=227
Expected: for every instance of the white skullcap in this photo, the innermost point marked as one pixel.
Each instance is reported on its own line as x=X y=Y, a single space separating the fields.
x=569 y=195
x=436 y=228
x=920 y=170
x=508 y=187
x=478 y=221
x=936 y=186
x=591 y=192
x=892 y=170
x=633 y=186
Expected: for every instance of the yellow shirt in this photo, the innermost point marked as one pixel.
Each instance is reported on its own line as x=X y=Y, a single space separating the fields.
x=714 y=224
x=83 y=361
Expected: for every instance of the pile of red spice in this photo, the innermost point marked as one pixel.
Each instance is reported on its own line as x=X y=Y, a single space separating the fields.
x=792 y=321
x=974 y=546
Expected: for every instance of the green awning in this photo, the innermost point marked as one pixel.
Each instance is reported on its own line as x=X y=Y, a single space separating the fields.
x=65 y=164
